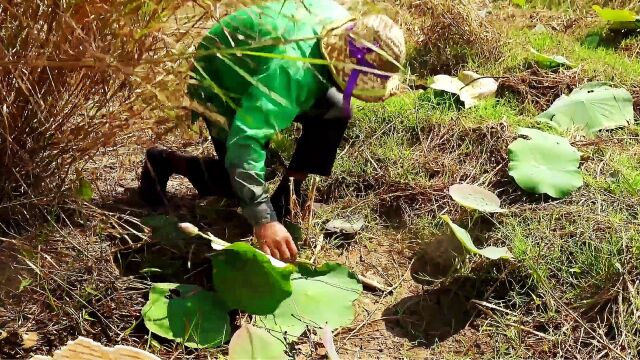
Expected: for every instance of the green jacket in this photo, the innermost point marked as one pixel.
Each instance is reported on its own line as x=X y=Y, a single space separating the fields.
x=261 y=95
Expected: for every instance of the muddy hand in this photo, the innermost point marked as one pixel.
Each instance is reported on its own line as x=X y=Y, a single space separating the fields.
x=274 y=239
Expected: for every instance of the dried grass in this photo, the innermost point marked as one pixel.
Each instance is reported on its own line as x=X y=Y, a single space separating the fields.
x=448 y=35
x=62 y=94
x=76 y=77
x=72 y=288
x=442 y=152
x=585 y=5
x=540 y=88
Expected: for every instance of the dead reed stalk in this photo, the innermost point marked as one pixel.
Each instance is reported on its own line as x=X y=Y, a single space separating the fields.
x=73 y=79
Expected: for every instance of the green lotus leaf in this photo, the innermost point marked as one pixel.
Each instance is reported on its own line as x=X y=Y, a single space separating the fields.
x=253 y=343
x=165 y=229
x=544 y=163
x=490 y=252
x=84 y=191
x=550 y=62
x=187 y=314
x=619 y=19
x=321 y=297
x=616 y=15
x=475 y=197
x=591 y=108
x=246 y=279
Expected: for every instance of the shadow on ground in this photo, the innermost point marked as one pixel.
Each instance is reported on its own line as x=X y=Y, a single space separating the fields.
x=431 y=317
x=444 y=308
x=162 y=253
x=167 y=255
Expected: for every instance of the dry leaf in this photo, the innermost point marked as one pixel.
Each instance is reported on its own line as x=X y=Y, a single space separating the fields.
x=29 y=339
x=87 y=349
x=469 y=86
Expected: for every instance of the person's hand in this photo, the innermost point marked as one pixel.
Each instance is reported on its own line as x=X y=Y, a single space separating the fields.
x=274 y=239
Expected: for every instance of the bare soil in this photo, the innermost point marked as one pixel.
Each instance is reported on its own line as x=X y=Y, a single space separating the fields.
x=89 y=282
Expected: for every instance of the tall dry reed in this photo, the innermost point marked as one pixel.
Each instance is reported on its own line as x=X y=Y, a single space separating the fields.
x=74 y=77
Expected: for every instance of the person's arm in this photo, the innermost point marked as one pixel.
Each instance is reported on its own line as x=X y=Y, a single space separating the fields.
x=265 y=110
x=257 y=120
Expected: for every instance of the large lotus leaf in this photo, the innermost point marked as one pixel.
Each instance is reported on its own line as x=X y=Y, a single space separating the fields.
x=321 y=297
x=550 y=62
x=447 y=83
x=544 y=163
x=246 y=279
x=609 y=14
x=475 y=197
x=252 y=343
x=490 y=252
x=469 y=86
x=619 y=19
x=476 y=88
x=187 y=314
x=590 y=108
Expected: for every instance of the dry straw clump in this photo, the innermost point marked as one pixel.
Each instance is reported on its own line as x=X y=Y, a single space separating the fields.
x=69 y=86
x=450 y=34
x=540 y=88
x=60 y=92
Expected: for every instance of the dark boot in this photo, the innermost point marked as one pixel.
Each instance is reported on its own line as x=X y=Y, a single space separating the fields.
x=209 y=176
x=154 y=177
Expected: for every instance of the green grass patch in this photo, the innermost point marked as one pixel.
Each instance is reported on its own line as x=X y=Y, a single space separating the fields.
x=580 y=250
x=602 y=64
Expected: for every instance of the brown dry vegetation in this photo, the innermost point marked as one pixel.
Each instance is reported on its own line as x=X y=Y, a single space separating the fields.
x=65 y=94
x=448 y=35
x=77 y=269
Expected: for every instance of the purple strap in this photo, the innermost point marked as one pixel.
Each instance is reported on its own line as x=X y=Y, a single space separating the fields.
x=358 y=53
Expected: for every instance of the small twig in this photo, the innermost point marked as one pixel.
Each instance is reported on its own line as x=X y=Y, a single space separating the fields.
x=317 y=249
x=491 y=290
x=483 y=304
x=372 y=284
x=484 y=77
x=366 y=321
x=521 y=327
x=401 y=280
x=309 y=210
x=491 y=306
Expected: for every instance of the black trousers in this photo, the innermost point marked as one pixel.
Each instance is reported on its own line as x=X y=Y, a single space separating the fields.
x=323 y=127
